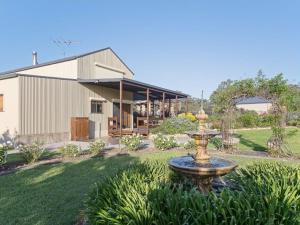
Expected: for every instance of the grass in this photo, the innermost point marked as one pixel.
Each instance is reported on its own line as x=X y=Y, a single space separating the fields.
x=257 y=139
x=54 y=194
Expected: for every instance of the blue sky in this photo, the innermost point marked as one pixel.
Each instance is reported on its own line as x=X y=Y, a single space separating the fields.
x=181 y=45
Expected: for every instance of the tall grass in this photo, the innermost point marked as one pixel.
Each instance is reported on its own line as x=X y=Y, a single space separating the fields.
x=266 y=193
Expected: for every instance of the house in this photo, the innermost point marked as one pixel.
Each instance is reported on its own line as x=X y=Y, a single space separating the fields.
x=256 y=103
x=38 y=102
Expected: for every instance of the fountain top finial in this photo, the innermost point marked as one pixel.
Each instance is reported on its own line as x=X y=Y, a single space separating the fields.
x=202 y=116
x=201 y=108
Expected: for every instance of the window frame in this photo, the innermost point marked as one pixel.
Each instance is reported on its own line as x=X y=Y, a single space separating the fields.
x=96 y=102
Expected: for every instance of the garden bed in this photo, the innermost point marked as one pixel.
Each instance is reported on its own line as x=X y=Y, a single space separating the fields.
x=149 y=193
x=55 y=193
x=252 y=145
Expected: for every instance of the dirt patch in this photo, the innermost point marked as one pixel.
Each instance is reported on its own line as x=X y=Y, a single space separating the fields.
x=12 y=167
x=9 y=167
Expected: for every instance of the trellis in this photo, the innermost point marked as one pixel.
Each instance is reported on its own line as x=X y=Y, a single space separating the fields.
x=271 y=89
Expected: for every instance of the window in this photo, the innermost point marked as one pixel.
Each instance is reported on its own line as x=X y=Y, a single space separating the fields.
x=96 y=106
x=1 y=102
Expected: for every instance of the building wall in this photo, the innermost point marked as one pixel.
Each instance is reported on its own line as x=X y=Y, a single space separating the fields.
x=103 y=64
x=259 y=107
x=100 y=72
x=67 y=69
x=47 y=105
x=9 y=119
x=88 y=70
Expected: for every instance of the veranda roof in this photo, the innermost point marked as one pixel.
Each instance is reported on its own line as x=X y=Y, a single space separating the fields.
x=137 y=87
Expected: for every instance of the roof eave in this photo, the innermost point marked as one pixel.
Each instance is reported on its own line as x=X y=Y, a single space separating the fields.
x=9 y=75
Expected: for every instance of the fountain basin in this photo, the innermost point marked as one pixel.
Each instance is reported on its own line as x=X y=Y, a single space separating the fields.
x=202 y=173
x=203 y=134
x=212 y=168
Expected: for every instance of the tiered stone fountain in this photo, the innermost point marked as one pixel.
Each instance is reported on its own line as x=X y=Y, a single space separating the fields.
x=202 y=168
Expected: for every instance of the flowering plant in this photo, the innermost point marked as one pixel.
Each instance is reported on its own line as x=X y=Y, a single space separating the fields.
x=96 y=147
x=70 y=150
x=31 y=153
x=162 y=142
x=190 y=116
x=132 y=142
x=3 y=154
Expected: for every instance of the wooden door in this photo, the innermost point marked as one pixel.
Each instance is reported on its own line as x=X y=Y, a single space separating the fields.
x=126 y=115
x=79 y=128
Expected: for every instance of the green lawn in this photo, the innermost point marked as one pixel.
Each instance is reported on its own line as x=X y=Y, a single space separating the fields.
x=54 y=194
x=256 y=139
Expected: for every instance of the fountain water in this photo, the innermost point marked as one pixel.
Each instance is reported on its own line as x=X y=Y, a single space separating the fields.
x=202 y=168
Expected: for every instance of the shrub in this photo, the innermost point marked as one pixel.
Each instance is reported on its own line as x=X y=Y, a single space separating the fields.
x=162 y=142
x=175 y=125
x=96 y=147
x=293 y=123
x=70 y=150
x=123 y=197
x=266 y=193
x=190 y=116
x=251 y=119
x=215 y=121
x=189 y=145
x=217 y=142
x=265 y=120
x=31 y=153
x=132 y=142
x=248 y=119
x=3 y=155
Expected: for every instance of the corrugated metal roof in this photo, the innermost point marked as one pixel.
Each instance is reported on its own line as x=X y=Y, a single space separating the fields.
x=251 y=100
x=62 y=60
x=12 y=75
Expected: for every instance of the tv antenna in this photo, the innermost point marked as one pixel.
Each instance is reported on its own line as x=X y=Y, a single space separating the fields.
x=63 y=44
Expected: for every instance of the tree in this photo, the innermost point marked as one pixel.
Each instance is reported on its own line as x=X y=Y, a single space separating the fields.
x=292 y=98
